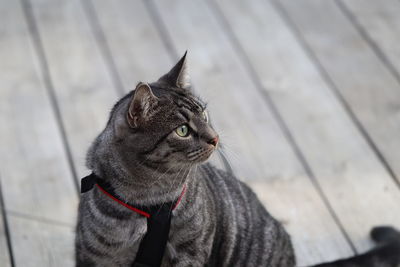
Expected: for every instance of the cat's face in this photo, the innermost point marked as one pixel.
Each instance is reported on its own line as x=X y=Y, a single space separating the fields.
x=163 y=125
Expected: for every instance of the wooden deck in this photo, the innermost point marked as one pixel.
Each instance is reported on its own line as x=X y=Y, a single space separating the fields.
x=305 y=94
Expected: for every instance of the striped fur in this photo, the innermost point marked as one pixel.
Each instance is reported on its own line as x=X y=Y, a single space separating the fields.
x=219 y=221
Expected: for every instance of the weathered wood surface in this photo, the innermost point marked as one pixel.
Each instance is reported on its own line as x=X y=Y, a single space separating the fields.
x=364 y=82
x=36 y=179
x=327 y=137
x=380 y=25
x=41 y=243
x=291 y=86
x=79 y=75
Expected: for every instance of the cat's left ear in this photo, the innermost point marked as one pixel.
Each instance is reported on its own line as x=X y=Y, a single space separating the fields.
x=178 y=76
x=142 y=104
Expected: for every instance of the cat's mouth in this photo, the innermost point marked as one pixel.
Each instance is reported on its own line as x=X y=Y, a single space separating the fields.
x=200 y=154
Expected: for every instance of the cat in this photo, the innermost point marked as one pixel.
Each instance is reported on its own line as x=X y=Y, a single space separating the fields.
x=153 y=151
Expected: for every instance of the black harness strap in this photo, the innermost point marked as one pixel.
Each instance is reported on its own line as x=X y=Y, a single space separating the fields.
x=152 y=247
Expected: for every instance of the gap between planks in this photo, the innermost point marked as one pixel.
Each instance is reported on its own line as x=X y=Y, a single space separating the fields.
x=48 y=84
x=6 y=227
x=323 y=72
x=375 y=47
x=103 y=45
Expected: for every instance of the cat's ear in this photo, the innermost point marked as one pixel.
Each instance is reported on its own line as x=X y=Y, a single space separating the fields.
x=142 y=104
x=178 y=76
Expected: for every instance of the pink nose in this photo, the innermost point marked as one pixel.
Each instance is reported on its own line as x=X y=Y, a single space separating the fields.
x=213 y=141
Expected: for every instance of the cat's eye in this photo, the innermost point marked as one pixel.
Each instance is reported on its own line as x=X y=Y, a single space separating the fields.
x=205 y=115
x=182 y=131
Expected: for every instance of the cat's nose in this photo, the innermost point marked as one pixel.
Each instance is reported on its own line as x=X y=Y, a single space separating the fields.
x=214 y=141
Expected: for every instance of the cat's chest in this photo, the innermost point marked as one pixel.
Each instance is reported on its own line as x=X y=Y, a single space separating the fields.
x=183 y=239
x=133 y=230
x=129 y=232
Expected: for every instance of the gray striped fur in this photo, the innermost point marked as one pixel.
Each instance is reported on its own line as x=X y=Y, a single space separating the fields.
x=219 y=222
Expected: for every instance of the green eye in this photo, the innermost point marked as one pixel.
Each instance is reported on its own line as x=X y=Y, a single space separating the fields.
x=182 y=131
x=205 y=115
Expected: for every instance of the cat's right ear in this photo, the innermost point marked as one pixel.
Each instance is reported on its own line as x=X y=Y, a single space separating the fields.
x=142 y=104
x=178 y=76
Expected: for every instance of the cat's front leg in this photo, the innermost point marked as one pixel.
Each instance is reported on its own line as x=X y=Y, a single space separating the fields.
x=183 y=260
x=101 y=251
x=106 y=235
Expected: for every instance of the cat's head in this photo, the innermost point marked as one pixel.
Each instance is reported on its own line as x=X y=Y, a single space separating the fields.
x=162 y=125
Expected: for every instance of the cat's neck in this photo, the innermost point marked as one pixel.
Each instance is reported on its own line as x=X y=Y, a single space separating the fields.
x=145 y=196
x=140 y=187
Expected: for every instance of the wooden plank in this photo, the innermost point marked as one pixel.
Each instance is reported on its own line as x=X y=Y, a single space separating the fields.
x=140 y=58
x=366 y=84
x=4 y=251
x=41 y=244
x=345 y=166
x=36 y=178
x=266 y=160
x=80 y=78
x=5 y=257
x=380 y=25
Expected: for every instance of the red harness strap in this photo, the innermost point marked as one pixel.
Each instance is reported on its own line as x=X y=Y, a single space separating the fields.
x=141 y=212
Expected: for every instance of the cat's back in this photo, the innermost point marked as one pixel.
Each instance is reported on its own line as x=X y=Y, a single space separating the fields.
x=246 y=234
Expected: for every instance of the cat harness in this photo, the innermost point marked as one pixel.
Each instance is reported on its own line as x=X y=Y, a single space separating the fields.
x=152 y=246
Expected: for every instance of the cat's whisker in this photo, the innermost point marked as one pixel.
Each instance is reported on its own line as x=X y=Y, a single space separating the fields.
x=154 y=173
x=227 y=139
x=162 y=175
x=172 y=184
x=232 y=143
x=174 y=180
x=226 y=161
x=184 y=178
x=229 y=151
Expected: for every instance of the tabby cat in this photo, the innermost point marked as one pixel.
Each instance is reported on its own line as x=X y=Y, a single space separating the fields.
x=154 y=146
